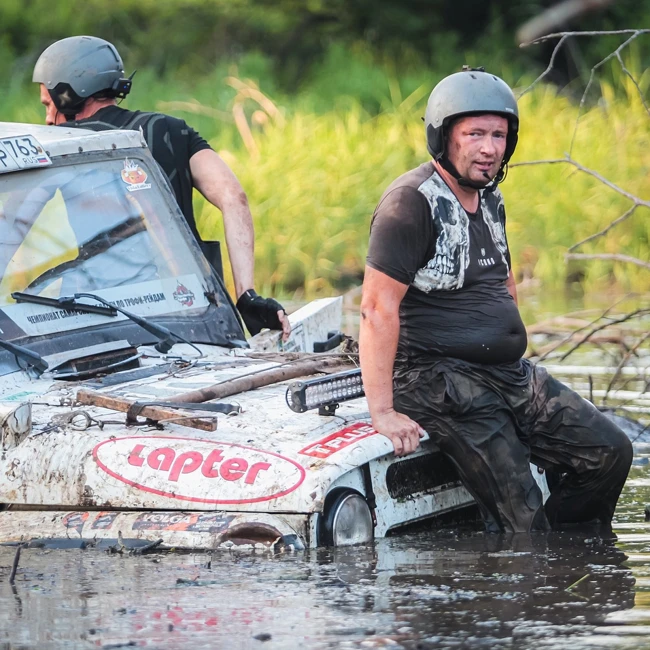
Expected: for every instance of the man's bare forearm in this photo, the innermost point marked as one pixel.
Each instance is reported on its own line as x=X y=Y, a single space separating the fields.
x=216 y=181
x=378 y=336
x=238 y=226
x=377 y=346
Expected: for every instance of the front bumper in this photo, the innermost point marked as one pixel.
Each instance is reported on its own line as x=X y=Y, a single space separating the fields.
x=171 y=528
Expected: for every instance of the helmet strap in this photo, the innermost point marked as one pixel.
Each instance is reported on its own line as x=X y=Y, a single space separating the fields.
x=489 y=186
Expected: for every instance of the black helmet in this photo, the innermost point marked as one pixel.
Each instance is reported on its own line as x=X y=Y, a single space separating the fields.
x=470 y=92
x=79 y=67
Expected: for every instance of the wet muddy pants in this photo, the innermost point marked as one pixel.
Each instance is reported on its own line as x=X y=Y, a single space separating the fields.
x=491 y=421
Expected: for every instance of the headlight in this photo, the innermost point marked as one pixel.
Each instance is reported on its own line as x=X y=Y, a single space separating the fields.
x=347 y=520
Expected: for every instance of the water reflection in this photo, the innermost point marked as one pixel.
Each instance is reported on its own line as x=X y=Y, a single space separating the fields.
x=489 y=590
x=416 y=591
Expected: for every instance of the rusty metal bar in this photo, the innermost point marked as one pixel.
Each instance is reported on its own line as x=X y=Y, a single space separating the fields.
x=258 y=379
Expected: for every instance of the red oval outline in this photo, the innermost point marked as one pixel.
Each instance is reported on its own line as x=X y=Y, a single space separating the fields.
x=171 y=495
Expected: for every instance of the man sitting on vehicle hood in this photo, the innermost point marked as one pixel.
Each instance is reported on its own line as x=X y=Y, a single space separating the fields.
x=81 y=78
x=441 y=336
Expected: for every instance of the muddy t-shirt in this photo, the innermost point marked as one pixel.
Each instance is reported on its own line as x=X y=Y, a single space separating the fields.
x=455 y=264
x=171 y=141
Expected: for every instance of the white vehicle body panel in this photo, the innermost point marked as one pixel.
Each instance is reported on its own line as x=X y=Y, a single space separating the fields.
x=62 y=141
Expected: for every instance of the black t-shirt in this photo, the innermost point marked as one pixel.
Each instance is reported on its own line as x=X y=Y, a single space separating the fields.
x=171 y=141
x=456 y=265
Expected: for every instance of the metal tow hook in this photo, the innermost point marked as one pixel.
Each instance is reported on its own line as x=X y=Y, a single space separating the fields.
x=78 y=420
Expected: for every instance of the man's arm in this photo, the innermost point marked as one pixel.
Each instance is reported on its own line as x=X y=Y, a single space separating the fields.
x=377 y=346
x=219 y=185
x=216 y=181
x=511 y=286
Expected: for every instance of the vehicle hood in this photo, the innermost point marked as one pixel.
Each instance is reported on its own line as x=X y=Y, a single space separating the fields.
x=265 y=458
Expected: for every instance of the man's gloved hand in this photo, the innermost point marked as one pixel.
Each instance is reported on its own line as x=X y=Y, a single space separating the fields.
x=259 y=313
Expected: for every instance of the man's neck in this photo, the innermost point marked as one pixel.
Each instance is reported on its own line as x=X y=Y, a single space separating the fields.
x=467 y=196
x=93 y=105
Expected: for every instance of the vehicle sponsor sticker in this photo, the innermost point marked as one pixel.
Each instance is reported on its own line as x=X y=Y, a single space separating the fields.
x=183 y=295
x=75 y=521
x=104 y=520
x=21 y=152
x=205 y=471
x=338 y=440
x=134 y=176
x=183 y=521
x=144 y=299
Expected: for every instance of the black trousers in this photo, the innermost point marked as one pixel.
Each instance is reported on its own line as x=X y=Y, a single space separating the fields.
x=492 y=421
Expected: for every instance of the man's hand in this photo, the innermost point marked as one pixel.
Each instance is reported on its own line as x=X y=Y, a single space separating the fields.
x=403 y=432
x=259 y=313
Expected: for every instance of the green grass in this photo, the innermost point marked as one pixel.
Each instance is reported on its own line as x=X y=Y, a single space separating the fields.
x=317 y=168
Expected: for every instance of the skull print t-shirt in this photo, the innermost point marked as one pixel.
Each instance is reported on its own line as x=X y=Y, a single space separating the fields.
x=455 y=264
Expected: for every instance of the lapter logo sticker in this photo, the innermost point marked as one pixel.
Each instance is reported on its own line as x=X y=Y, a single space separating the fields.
x=338 y=440
x=202 y=471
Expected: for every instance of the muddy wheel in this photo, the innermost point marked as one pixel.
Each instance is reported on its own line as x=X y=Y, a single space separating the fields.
x=346 y=519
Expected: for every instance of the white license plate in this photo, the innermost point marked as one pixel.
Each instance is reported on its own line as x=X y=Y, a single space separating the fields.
x=20 y=152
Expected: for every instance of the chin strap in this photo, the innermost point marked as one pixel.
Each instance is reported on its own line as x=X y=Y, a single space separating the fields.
x=490 y=183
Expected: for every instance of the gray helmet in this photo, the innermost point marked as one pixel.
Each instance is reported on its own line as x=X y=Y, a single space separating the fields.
x=79 y=67
x=470 y=92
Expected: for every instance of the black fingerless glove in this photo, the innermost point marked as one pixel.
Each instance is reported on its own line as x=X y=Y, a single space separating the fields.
x=259 y=312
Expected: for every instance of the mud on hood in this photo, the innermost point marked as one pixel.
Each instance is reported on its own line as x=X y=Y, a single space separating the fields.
x=264 y=459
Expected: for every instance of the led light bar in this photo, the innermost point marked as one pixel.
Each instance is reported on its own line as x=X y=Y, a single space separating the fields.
x=325 y=393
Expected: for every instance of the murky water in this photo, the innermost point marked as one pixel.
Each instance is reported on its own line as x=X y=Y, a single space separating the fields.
x=422 y=590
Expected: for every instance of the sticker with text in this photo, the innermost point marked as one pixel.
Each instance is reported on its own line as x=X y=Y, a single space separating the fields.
x=338 y=440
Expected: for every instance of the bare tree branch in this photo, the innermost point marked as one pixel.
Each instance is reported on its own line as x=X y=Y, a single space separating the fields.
x=634 y=81
x=635 y=33
x=552 y=161
x=577 y=331
x=605 y=230
x=616 y=257
x=556 y=16
x=616 y=53
x=617 y=321
x=616 y=32
x=624 y=361
x=556 y=49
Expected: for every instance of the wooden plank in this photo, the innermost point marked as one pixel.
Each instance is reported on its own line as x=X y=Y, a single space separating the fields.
x=157 y=413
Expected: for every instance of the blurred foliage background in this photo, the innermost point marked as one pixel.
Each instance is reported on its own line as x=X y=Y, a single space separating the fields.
x=316 y=105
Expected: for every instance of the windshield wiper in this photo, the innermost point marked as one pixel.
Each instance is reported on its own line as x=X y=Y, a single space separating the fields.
x=34 y=359
x=166 y=338
x=65 y=302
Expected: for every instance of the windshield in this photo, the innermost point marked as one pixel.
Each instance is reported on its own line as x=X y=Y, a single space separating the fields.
x=99 y=226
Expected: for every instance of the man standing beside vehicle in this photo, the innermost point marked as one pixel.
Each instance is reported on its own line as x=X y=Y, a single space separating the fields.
x=442 y=340
x=81 y=78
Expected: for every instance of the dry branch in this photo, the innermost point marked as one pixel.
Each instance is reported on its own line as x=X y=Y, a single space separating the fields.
x=556 y=16
x=599 y=328
x=616 y=257
x=563 y=36
x=623 y=362
x=568 y=160
x=604 y=231
x=574 y=333
x=616 y=53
